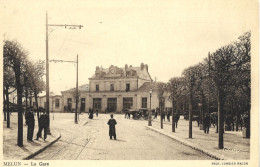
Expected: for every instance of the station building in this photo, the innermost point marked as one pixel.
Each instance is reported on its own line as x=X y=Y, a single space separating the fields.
x=114 y=89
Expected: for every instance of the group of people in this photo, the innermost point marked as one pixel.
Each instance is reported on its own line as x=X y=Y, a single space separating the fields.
x=127 y=113
x=30 y=122
x=91 y=112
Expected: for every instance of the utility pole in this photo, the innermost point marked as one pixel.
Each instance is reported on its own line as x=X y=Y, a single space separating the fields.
x=47 y=62
x=47 y=76
x=77 y=91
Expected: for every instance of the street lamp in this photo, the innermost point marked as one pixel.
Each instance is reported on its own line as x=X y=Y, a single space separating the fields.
x=150 y=111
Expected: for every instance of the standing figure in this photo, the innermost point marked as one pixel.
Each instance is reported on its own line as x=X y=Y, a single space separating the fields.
x=206 y=123
x=129 y=114
x=91 y=114
x=177 y=117
x=126 y=114
x=168 y=116
x=97 y=112
x=30 y=123
x=44 y=122
x=155 y=113
x=163 y=115
x=112 y=127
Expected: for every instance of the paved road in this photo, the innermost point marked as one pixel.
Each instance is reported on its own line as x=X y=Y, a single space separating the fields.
x=89 y=140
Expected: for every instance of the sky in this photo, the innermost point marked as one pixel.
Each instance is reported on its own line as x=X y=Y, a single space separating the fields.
x=169 y=36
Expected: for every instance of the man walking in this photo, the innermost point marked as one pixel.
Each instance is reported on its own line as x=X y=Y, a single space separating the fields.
x=206 y=123
x=97 y=112
x=44 y=122
x=30 y=123
x=112 y=127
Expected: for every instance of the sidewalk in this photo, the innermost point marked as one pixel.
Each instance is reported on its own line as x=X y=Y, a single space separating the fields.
x=10 y=149
x=235 y=146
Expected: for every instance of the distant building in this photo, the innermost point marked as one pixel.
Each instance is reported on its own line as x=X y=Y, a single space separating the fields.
x=111 y=89
x=55 y=103
x=114 y=89
x=69 y=100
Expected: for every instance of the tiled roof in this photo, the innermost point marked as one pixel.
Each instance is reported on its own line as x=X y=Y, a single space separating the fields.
x=147 y=85
x=82 y=88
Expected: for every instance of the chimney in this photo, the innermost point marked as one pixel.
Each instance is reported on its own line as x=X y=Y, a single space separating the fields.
x=146 y=67
x=142 y=66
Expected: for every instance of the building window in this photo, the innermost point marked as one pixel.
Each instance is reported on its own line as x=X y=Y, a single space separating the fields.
x=127 y=102
x=111 y=87
x=127 y=88
x=97 y=87
x=57 y=103
x=144 y=102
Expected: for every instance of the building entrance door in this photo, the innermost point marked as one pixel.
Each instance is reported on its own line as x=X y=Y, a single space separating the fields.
x=111 y=104
x=96 y=104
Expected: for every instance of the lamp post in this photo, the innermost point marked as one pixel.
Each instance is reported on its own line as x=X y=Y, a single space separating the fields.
x=150 y=111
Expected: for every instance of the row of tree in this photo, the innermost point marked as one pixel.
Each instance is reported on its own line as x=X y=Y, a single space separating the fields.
x=22 y=76
x=220 y=84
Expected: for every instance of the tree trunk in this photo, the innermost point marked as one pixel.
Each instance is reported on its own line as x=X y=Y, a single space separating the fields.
x=237 y=118
x=4 y=106
x=161 y=115
x=26 y=99
x=20 y=112
x=190 y=115
x=220 y=119
x=37 y=107
x=173 y=116
x=30 y=98
x=7 y=107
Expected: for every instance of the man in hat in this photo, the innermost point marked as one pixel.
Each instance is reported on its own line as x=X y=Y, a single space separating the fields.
x=112 y=129
x=44 y=122
x=30 y=123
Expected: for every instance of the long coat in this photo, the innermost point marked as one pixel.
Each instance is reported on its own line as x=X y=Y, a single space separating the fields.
x=112 y=128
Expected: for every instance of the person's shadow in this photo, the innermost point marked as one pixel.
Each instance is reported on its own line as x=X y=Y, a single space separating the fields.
x=120 y=140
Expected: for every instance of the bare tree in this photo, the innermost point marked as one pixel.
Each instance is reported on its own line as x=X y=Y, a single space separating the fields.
x=16 y=56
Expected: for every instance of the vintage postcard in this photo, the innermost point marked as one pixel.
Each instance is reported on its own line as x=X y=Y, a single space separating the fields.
x=130 y=83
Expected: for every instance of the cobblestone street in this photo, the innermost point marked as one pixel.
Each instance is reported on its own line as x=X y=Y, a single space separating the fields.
x=89 y=140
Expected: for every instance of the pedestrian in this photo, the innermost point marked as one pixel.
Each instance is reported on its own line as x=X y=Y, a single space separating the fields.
x=155 y=113
x=30 y=122
x=126 y=113
x=43 y=125
x=163 y=115
x=112 y=127
x=168 y=116
x=90 y=114
x=206 y=123
x=129 y=114
x=97 y=112
x=177 y=117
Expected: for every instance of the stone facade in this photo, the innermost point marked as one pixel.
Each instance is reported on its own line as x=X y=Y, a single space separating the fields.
x=113 y=89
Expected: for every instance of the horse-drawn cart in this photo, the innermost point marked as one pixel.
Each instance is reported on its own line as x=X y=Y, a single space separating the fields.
x=139 y=114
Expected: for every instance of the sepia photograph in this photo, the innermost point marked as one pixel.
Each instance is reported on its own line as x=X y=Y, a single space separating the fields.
x=130 y=83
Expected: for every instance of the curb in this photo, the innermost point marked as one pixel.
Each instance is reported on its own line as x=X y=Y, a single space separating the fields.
x=212 y=155
x=42 y=149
